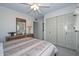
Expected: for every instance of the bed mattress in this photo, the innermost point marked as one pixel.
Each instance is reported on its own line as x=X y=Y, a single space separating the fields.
x=29 y=47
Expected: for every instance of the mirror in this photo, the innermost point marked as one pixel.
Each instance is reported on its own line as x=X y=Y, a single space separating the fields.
x=20 y=26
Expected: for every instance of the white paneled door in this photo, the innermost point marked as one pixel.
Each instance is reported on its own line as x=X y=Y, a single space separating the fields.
x=71 y=34
x=61 y=31
x=51 y=30
x=71 y=40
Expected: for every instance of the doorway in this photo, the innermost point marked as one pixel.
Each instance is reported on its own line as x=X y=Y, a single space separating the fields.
x=35 y=29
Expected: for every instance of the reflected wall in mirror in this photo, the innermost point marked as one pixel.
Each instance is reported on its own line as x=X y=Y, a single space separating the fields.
x=20 y=26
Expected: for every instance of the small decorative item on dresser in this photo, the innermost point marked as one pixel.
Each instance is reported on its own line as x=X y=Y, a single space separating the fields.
x=11 y=33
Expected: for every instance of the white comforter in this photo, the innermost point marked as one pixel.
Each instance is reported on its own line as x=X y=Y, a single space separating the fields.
x=29 y=47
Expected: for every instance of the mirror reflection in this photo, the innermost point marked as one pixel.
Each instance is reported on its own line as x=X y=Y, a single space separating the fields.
x=20 y=26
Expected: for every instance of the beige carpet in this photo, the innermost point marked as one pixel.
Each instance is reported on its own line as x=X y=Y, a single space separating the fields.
x=65 y=52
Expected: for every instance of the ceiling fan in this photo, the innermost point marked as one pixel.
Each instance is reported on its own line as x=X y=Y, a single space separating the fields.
x=35 y=7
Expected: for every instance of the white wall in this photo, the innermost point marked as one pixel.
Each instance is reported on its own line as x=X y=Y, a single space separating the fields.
x=1 y=49
x=61 y=11
x=8 y=21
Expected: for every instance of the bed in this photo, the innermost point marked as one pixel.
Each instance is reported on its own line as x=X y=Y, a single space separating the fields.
x=29 y=47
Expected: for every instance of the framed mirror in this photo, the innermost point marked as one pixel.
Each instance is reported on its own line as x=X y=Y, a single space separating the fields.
x=20 y=26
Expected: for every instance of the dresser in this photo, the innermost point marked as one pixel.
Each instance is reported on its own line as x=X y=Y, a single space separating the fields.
x=8 y=38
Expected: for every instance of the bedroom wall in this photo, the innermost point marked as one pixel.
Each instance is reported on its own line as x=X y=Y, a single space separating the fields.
x=8 y=21
x=62 y=11
x=1 y=49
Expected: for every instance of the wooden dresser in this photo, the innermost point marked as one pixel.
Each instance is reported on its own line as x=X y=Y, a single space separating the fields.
x=8 y=38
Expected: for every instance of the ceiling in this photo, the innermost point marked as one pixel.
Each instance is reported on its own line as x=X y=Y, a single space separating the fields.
x=26 y=8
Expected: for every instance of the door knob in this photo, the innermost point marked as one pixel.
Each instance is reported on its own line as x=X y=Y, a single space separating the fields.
x=66 y=33
x=49 y=32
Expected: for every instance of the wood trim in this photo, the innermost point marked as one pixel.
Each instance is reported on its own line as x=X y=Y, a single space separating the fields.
x=20 y=20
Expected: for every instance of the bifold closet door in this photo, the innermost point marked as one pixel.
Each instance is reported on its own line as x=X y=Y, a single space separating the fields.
x=51 y=30
x=61 y=31
x=66 y=34
x=70 y=33
x=71 y=40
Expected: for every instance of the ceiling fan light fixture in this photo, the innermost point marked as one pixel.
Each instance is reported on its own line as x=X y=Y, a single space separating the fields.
x=35 y=7
x=32 y=7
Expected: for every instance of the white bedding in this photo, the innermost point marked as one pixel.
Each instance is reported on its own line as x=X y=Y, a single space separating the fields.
x=29 y=47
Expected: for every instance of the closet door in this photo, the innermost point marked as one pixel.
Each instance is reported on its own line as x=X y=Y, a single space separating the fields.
x=51 y=30
x=61 y=31
x=66 y=34
x=71 y=40
x=48 y=30
x=70 y=35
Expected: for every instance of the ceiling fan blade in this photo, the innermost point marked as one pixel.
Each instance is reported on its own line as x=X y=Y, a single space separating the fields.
x=44 y=6
x=26 y=4
x=29 y=11
x=39 y=11
x=30 y=3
